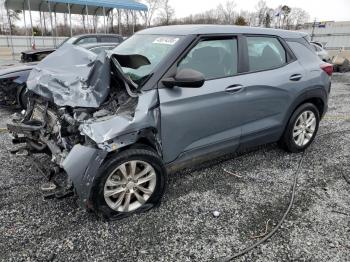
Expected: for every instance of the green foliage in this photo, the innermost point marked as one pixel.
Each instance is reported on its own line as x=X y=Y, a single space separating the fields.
x=267 y=20
x=240 y=20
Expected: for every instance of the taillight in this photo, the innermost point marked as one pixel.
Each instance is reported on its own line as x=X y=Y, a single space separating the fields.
x=328 y=68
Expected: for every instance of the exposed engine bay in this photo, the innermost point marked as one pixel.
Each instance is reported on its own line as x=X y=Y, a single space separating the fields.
x=82 y=109
x=52 y=119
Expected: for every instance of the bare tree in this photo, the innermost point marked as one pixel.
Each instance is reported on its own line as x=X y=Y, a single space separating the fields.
x=262 y=11
x=249 y=17
x=227 y=12
x=166 y=13
x=153 y=7
x=286 y=11
x=296 y=18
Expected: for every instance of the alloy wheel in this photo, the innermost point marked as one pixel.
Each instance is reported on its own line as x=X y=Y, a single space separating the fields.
x=129 y=186
x=304 y=128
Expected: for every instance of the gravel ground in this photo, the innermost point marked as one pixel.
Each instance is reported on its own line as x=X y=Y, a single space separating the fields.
x=183 y=228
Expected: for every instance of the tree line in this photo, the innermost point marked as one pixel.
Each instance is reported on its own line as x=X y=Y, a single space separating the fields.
x=160 y=12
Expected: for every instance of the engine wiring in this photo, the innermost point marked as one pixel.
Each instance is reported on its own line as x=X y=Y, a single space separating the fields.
x=290 y=205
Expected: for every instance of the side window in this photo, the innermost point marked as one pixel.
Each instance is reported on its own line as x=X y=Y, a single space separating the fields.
x=109 y=39
x=213 y=58
x=87 y=40
x=265 y=53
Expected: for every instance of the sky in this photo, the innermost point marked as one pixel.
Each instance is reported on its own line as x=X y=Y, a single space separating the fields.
x=334 y=10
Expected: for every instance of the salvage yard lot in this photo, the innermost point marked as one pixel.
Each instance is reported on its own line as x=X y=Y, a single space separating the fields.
x=254 y=193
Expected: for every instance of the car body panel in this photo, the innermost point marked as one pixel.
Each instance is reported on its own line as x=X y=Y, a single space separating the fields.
x=185 y=125
x=200 y=116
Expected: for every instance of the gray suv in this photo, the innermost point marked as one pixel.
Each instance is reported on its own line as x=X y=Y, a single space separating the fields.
x=166 y=98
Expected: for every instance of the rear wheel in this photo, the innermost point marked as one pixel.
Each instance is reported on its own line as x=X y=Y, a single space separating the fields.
x=133 y=181
x=301 y=129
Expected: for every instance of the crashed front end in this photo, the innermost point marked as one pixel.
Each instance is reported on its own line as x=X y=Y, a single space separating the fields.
x=81 y=108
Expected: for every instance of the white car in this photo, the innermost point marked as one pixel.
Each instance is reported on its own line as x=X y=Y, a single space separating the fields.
x=321 y=52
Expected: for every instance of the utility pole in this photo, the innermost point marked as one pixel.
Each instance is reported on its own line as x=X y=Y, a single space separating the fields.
x=313 y=30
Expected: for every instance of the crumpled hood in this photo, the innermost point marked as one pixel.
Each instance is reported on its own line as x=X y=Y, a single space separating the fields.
x=72 y=76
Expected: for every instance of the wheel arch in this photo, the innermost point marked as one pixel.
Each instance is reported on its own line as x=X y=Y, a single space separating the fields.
x=147 y=137
x=318 y=97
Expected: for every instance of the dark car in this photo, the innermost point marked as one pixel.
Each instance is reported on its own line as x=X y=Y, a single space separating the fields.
x=166 y=98
x=39 y=54
x=13 y=77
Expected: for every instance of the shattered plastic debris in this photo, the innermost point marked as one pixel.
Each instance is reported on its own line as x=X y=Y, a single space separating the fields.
x=216 y=213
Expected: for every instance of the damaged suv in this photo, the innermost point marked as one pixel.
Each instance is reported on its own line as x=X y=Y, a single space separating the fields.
x=164 y=99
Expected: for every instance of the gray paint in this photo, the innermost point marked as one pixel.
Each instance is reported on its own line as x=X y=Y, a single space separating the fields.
x=219 y=29
x=81 y=165
x=102 y=130
x=72 y=76
x=194 y=123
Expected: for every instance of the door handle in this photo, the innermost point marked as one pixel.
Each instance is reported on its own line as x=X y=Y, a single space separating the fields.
x=233 y=88
x=295 y=77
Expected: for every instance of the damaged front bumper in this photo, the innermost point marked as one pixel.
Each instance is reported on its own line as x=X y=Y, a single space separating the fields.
x=82 y=165
x=82 y=110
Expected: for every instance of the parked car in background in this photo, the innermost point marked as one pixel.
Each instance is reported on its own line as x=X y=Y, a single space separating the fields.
x=321 y=52
x=13 y=77
x=33 y=55
x=166 y=98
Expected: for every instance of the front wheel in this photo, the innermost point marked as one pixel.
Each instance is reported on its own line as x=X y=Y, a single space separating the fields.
x=22 y=96
x=301 y=129
x=129 y=182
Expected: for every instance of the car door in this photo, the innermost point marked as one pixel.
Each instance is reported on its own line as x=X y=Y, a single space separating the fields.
x=197 y=121
x=273 y=79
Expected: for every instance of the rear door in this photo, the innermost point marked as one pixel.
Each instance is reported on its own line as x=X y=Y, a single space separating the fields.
x=206 y=119
x=273 y=79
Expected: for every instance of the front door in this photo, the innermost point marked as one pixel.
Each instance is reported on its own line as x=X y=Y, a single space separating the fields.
x=207 y=118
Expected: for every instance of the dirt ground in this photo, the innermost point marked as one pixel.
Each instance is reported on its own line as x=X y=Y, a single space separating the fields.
x=183 y=228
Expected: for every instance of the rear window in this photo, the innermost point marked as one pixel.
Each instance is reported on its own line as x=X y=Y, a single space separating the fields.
x=265 y=53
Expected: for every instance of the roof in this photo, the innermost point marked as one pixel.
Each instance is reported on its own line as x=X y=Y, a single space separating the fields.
x=77 y=6
x=218 y=29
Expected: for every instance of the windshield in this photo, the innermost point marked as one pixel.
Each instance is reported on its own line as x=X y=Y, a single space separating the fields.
x=154 y=47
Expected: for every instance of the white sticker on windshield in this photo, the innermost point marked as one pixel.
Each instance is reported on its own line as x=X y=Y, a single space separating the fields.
x=166 y=40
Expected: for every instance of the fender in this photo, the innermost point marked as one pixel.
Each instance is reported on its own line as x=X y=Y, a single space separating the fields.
x=316 y=93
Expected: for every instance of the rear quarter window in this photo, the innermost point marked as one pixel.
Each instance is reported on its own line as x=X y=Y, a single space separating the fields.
x=304 y=53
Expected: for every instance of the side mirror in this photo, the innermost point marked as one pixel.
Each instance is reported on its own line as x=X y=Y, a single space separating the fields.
x=185 y=78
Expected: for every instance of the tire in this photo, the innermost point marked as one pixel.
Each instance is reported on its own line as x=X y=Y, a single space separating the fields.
x=22 y=97
x=110 y=179
x=291 y=141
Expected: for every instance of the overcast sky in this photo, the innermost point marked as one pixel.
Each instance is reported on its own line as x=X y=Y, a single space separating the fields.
x=337 y=10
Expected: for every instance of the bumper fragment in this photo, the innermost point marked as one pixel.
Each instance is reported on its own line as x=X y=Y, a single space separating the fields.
x=81 y=165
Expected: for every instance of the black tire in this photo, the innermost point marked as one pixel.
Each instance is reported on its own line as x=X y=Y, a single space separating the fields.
x=146 y=155
x=22 y=96
x=287 y=142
